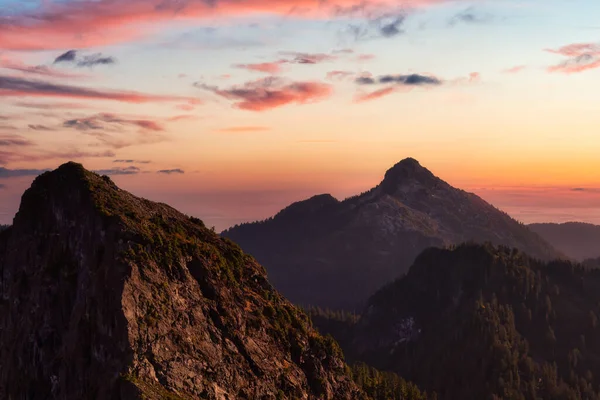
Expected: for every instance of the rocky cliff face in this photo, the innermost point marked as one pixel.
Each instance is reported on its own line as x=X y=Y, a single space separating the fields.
x=326 y=253
x=109 y=296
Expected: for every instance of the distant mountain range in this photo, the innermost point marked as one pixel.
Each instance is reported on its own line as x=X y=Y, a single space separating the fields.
x=577 y=240
x=478 y=322
x=330 y=253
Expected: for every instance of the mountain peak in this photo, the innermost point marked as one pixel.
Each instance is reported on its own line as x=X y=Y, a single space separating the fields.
x=406 y=170
x=125 y=298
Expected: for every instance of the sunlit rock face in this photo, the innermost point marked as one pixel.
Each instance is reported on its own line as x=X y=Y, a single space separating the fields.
x=109 y=296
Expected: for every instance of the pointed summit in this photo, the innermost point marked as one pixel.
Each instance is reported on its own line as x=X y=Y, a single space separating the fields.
x=404 y=172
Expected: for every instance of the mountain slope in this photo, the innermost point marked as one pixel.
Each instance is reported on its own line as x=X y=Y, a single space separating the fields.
x=109 y=296
x=577 y=240
x=334 y=254
x=479 y=322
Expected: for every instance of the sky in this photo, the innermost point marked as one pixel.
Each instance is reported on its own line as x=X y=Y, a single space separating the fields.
x=230 y=110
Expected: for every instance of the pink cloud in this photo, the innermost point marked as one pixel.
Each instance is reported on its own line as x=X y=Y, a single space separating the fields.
x=582 y=57
x=576 y=49
x=84 y=24
x=474 y=77
x=268 y=93
x=515 y=69
x=339 y=75
x=365 y=57
x=377 y=94
x=266 y=67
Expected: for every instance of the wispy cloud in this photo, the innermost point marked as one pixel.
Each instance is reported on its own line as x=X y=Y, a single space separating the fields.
x=108 y=121
x=36 y=155
x=91 y=60
x=115 y=132
x=171 y=171
x=268 y=93
x=132 y=170
x=266 y=67
x=132 y=161
x=39 y=70
x=290 y=57
x=16 y=173
x=515 y=70
x=406 y=80
x=19 y=87
x=392 y=84
x=307 y=58
x=13 y=140
x=582 y=57
x=49 y=106
x=40 y=127
x=470 y=16
x=339 y=75
x=76 y=24
x=376 y=94
x=386 y=25
x=68 y=57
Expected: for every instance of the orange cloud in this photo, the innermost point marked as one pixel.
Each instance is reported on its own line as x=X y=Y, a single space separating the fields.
x=266 y=67
x=268 y=93
x=83 y=24
x=362 y=97
x=19 y=87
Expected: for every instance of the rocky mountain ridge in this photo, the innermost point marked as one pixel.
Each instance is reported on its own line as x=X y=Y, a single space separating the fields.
x=110 y=296
x=330 y=253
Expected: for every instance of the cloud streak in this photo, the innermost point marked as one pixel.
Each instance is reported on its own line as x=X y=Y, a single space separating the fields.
x=132 y=161
x=17 y=173
x=72 y=57
x=405 y=80
x=269 y=93
x=19 y=87
x=132 y=170
x=582 y=57
x=266 y=67
x=292 y=57
x=470 y=16
x=13 y=140
x=393 y=84
x=515 y=70
x=171 y=171
x=108 y=121
x=39 y=70
x=76 y=24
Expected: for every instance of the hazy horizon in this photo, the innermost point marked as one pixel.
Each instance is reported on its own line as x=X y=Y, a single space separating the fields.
x=231 y=110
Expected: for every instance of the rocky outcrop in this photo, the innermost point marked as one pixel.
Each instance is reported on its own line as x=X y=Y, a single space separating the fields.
x=109 y=296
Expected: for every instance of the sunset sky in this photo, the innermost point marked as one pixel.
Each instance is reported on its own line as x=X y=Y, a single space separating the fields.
x=229 y=110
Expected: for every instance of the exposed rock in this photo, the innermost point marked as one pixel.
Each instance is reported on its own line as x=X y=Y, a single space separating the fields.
x=109 y=296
